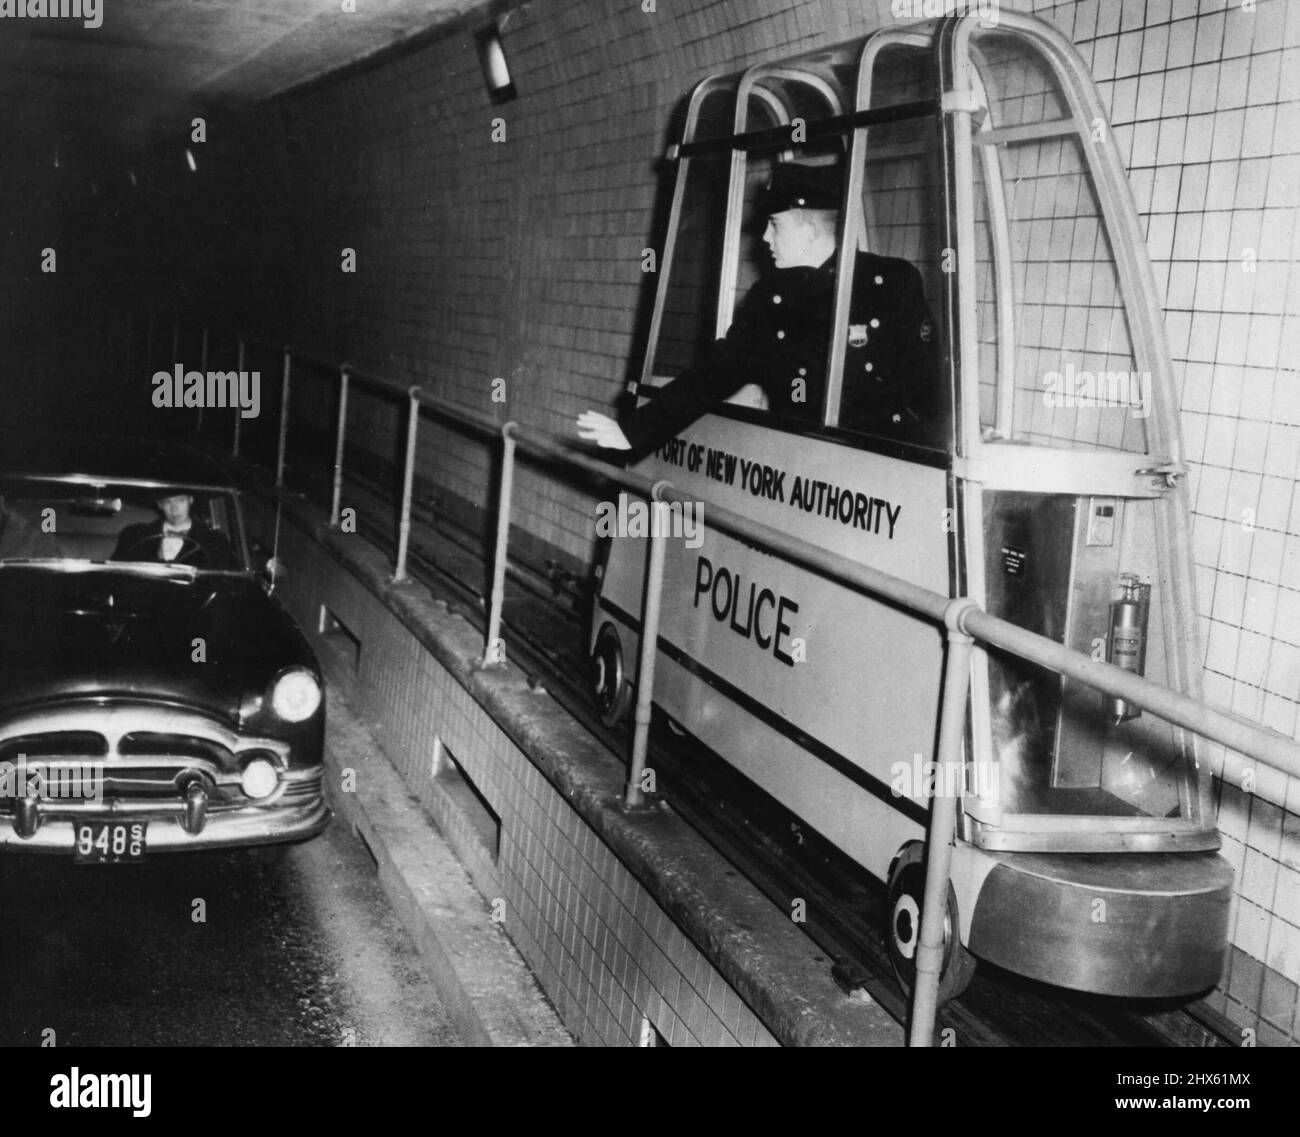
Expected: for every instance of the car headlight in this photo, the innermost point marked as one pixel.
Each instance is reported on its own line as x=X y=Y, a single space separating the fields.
x=295 y=695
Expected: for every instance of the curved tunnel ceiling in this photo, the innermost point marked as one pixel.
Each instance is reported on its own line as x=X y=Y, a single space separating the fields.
x=114 y=89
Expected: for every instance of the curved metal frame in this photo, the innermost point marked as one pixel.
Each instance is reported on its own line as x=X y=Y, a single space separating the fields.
x=1103 y=472
x=703 y=89
x=854 y=228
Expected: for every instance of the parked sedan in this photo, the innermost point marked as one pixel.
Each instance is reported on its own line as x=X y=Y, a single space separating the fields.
x=155 y=694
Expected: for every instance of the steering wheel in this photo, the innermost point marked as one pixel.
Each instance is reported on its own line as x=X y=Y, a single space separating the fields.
x=153 y=538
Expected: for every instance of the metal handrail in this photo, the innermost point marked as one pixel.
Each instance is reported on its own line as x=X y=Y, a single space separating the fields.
x=963 y=619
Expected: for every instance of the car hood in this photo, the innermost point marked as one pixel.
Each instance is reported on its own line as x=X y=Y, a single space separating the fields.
x=209 y=641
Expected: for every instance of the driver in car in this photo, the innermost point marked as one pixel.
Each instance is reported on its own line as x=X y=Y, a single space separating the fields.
x=176 y=538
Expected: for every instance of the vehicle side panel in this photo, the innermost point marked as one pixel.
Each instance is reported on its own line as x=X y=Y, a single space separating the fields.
x=814 y=691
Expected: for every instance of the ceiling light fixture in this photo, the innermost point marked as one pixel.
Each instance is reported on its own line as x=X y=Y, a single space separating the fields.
x=496 y=73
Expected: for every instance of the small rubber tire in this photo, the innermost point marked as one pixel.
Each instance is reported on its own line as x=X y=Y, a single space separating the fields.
x=902 y=936
x=609 y=683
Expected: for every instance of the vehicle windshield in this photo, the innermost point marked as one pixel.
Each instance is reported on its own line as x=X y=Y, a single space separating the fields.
x=77 y=520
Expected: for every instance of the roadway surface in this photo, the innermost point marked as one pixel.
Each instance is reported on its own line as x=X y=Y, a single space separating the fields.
x=297 y=947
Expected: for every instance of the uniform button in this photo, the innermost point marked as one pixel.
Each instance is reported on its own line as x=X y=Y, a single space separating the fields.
x=880 y=280
x=780 y=335
x=776 y=300
x=803 y=371
x=875 y=323
x=870 y=366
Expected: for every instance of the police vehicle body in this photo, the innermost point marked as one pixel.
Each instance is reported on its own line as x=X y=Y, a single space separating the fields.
x=1048 y=486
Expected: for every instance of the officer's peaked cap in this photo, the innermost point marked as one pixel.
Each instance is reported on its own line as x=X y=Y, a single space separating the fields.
x=794 y=185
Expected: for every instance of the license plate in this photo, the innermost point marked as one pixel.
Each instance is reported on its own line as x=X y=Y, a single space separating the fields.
x=109 y=842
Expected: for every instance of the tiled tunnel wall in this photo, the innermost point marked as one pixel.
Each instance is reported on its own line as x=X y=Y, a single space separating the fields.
x=605 y=952
x=520 y=258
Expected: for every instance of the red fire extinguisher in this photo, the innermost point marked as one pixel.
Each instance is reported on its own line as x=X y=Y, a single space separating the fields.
x=1126 y=646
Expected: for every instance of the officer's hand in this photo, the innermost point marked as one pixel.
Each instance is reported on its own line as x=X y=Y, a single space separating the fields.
x=602 y=430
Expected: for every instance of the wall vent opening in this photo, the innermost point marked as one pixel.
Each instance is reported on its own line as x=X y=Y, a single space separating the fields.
x=464 y=795
x=338 y=642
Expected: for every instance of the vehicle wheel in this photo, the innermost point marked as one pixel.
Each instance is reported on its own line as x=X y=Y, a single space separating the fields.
x=609 y=677
x=906 y=889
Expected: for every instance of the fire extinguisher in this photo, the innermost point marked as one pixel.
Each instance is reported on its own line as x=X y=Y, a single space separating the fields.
x=1126 y=646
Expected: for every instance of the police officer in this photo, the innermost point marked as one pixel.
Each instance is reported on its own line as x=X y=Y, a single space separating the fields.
x=779 y=338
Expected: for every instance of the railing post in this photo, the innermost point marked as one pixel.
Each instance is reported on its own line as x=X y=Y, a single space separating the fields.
x=943 y=826
x=645 y=672
x=234 y=445
x=284 y=422
x=494 y=648
x=408 y=482
x=335 y=499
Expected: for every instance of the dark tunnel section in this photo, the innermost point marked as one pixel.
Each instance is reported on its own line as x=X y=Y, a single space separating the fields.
x=94 y=244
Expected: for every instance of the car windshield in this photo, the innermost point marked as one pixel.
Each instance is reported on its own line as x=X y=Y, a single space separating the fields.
x=77 y=520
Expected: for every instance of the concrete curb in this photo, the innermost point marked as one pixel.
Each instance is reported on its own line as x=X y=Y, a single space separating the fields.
x=489 y=991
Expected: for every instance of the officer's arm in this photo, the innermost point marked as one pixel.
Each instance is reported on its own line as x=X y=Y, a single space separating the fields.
x=697 y=390
x=906 y=403
x=902 y=399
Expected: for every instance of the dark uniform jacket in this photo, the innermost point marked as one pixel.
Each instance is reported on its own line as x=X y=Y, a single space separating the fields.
x=206 y=547
x=781 y=333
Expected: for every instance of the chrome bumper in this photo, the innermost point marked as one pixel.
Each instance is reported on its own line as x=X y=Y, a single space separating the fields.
x=252 y=825
x=191 y=798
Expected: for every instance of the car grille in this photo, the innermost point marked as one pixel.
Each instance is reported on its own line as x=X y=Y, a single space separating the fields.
x=156 y=744
x=55 y=744
x=146 y=766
